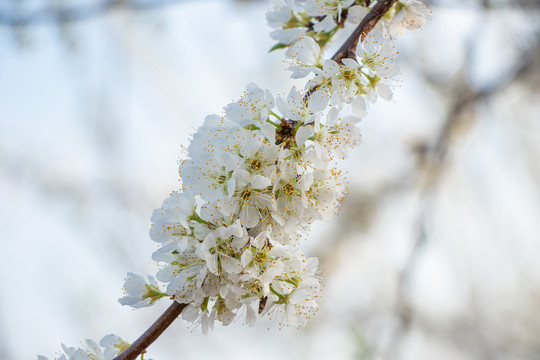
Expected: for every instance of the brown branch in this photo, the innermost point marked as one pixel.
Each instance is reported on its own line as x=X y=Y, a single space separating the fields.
x=153 y=332
x=348 y=49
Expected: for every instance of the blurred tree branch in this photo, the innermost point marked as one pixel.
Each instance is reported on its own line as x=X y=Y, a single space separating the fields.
x=432 y=161
x=67 y=14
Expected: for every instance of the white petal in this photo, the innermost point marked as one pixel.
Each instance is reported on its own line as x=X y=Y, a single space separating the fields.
x=272 y=272
x=246 y=258
x=359 y=106
x=269 y=131
x=350 y=63
x=259 y=240
x=356 y=14
x=251 y=316
x=238 y=242
x=249 y=217
x=211 y=319
x=166 y=274
x=269 y=99
x=204 y=323
x=242 y=177
x=212 y=264
x=110 y=340
x=264 y=114
x=287 y=36
x=294 y=97
x=318 y=101
x=298 y=71
x=212 y=121
x=327 y=24
x=384 y=91
x=279 y=219
x=282 y=106
x=231 y=265
x=191 y=313
x=230 y=187
x=302 y=134
x=93 y=346
x=313 y=118
x=208 y=243
x=332 y=116
x=227 y=318
x=331 y=67
x=260 y=182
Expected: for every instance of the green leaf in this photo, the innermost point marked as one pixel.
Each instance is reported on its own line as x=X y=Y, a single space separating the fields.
x=277 y=47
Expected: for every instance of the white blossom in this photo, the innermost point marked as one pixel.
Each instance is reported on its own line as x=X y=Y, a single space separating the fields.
x=221 y=249
x=293 y=296
x=252 y=108
x=139 y=292
x=305 y=54
x=336 y=136
x=329 y=9
x=109 y=347
x=251 y=196
x=112 y=345
x=171 y=223
x=296 y=108
x=378 y=53
x=281 y=12
x=344 y=84
x=411 y=15
x=287 y=36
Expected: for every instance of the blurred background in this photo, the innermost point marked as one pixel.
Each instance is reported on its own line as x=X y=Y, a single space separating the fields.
x=435 y=254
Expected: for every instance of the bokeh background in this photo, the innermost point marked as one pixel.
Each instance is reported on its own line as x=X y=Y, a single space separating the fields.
x=435 y=254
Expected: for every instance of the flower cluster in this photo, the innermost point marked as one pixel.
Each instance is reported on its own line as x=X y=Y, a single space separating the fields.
x=321 y=19
x=317 y=19
x=109 y=347
x=346 y=81
x=255 y=178
x=351 y=81
x=252 y=181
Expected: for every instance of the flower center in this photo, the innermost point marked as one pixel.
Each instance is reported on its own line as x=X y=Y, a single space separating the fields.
x=246 y=195
x=221 y=179
x=349 y=75
x=256 y=164
x=288 y=189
